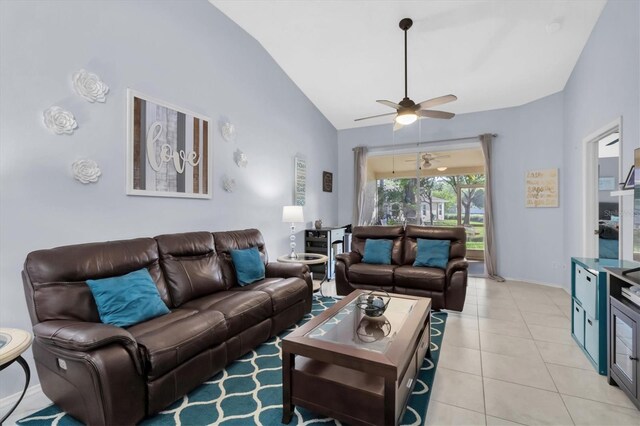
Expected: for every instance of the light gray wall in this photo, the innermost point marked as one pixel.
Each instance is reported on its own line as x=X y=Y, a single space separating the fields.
x=529 y=137
x=604 y=85
x=183 y=52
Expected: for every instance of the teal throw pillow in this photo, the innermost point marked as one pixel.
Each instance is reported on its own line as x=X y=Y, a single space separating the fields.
x=248 y=265
x=377 y=252
x=432 y=253
x=128 y=299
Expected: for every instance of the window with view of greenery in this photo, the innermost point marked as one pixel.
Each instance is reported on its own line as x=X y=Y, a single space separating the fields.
x=433 y=200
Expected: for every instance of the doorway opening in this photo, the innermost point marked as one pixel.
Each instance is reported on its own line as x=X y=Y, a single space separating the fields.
x=434 y=188
x=602 y=206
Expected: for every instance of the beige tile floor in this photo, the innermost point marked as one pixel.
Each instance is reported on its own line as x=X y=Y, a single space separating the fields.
x=503 y=363
x=508 y=359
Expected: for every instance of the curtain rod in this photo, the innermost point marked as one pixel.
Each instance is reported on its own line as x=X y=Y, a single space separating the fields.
x=417 y=144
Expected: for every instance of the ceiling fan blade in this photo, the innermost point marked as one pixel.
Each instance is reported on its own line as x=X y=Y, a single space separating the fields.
x=397 y=126
x=437 y=101
x=375 y=116
x=613 y=142
x=389 y=104
x=435 y=114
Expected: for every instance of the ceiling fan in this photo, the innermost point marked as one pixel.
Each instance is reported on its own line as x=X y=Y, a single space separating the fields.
x=429 y=159
x=408 y=111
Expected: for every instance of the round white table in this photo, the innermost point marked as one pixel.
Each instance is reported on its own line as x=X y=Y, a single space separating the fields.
x=309 y=259
x=13 y=343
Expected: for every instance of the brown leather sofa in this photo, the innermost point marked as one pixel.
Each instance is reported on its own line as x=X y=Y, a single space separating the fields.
x=107 y=375
x=447 y=288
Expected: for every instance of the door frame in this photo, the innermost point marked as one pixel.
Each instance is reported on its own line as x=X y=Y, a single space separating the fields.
x=471 y=254
x=590 y=185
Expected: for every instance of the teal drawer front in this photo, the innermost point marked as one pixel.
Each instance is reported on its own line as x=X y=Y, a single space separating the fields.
x=591 y=337
x=578 y=322
x=586 y=290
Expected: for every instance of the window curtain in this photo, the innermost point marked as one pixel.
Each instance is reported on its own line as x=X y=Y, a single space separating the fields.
x=489 y=238
x=360 y=181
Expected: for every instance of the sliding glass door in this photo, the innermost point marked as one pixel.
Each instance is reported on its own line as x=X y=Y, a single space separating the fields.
x=436 y=189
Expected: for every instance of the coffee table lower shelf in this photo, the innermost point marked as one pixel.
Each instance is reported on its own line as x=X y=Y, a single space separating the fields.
x=340 y=392
x=358 y=387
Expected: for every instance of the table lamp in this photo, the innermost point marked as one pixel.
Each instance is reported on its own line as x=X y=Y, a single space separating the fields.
x=292 y=214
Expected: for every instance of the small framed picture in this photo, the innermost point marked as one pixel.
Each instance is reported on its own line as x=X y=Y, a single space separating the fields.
x=327 y=181
x=629 y=181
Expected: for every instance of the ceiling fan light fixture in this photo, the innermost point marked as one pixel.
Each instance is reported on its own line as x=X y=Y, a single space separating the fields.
x=406 y=117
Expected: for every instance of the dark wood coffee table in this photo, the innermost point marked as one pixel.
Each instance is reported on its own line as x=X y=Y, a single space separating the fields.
x=354 y=368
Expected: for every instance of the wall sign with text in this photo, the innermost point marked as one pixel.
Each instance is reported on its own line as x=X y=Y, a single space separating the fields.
x=300 y=181
x=168 y=149
x=542 y=188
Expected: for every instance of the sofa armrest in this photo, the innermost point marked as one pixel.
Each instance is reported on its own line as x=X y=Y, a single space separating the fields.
x=86 y=336
x=292 y=270
x=454 y=265
x=349 y=258
x=286 y=270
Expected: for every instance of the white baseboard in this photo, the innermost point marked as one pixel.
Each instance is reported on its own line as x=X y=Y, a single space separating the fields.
x=555 y=285
x=34 y=400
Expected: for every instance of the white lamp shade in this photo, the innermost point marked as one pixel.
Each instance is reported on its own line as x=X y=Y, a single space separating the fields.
x=292 y=214
x=406 y=117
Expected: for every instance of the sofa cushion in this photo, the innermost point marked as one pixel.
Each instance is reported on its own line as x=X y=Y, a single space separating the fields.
x=168 y=341
x=241 y=309
x=234 y=240
x=248 y=265
x=56 y=277
x=363 y=233
x=432 y=279
x=284 y=292
x=455 y=234
x=376 y=275
x=191 y=265
x=377 y=252
x=127 y=299
x=432 y=253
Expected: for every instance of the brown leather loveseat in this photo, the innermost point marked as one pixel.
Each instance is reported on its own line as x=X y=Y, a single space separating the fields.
x=446 y=287
x=107 y=375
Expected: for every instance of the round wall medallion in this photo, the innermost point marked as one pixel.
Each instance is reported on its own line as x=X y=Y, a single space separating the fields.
x=240 y=158
x=228 y=131
x=228 y=184
x=59 y=121
x=86 y=171
x=89 y=86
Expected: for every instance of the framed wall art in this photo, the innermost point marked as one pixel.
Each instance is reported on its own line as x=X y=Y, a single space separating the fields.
x=327 y=181
x=168 y=149
x=300 y=181
x=542 y=188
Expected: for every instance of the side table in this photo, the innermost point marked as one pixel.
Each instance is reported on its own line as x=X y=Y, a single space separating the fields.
x=309 y=259
x=13 y=343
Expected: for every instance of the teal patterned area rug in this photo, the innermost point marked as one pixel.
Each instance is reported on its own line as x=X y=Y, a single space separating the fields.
x=249 y=391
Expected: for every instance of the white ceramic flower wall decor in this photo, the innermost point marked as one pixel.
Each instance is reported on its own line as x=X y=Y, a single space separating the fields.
x=89 y=86
x=228 y=131
x=240 y=158
x=86 y=171
x=59 y=121
x=228 y=183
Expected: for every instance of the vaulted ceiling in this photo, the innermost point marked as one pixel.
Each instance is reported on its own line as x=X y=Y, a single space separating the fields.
x=491 y=54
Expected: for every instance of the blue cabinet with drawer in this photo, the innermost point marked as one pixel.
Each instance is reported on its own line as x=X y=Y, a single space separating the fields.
x=589 y=306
